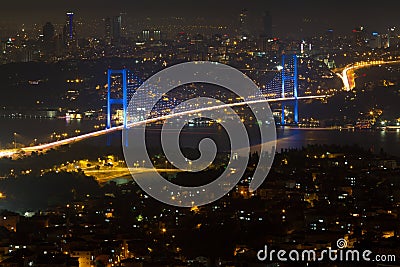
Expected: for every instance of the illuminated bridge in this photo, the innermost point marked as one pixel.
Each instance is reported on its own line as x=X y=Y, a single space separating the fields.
x=122 y=85
x=283 y=88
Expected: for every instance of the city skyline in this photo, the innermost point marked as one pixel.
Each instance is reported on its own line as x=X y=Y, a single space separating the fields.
x=199 y=133
x=292 y=19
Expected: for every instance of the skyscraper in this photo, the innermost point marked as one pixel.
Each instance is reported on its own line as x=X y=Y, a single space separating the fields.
x=48 y=32
x=108 y=30
x=145 y=35
x=70 y=25
x=243 y=23
x=359 y=36
x=48 y=39
x=393 y=39
x=375 y=41
x=157 y=35
x=116 y=29
x=267 y=24
x=70 y=31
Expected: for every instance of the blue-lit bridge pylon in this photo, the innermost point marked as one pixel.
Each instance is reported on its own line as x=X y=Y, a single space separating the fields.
x=121 y=85
x=284 y=85
x=290 y=84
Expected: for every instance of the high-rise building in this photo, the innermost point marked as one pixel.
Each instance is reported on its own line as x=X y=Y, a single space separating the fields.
x=145 y=35
x=70 y=31
x=48 y=31
x=375 y=41
x=108 y=30
x=157 y=35
x=359 y=36
x=48 y=38
x=70 y=25
x=267 y=24
x=243 y=23
x=392 y=39
x=305 y=48
x=116 y=29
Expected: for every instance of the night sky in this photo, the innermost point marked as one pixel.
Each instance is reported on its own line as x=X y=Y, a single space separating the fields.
x=342 y=15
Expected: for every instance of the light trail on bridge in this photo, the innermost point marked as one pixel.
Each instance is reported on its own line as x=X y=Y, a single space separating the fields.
x=347 y=77
x=52 y=145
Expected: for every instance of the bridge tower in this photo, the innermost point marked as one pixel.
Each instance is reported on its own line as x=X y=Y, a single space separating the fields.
x=117 y=101
x=122 y=84
x=289 y=78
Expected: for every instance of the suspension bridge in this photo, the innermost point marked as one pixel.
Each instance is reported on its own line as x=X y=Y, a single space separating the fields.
x=283 y=88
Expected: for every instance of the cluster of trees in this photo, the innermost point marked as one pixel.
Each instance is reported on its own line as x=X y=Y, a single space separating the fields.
x=34 y=193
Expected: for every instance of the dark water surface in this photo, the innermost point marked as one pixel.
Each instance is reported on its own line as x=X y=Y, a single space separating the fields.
x=29 y=129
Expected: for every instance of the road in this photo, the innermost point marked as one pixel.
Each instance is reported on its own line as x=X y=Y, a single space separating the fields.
x=348 y=76
x=103 y=176
x=71 y=140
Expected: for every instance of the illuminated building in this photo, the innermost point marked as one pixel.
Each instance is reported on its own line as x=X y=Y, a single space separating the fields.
x=145 y=35
x=108 y=30
x=392 y=39
x=243 y=24
x=157 y=35
x=359 y=36
x=375 y=41
x=70 y=39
